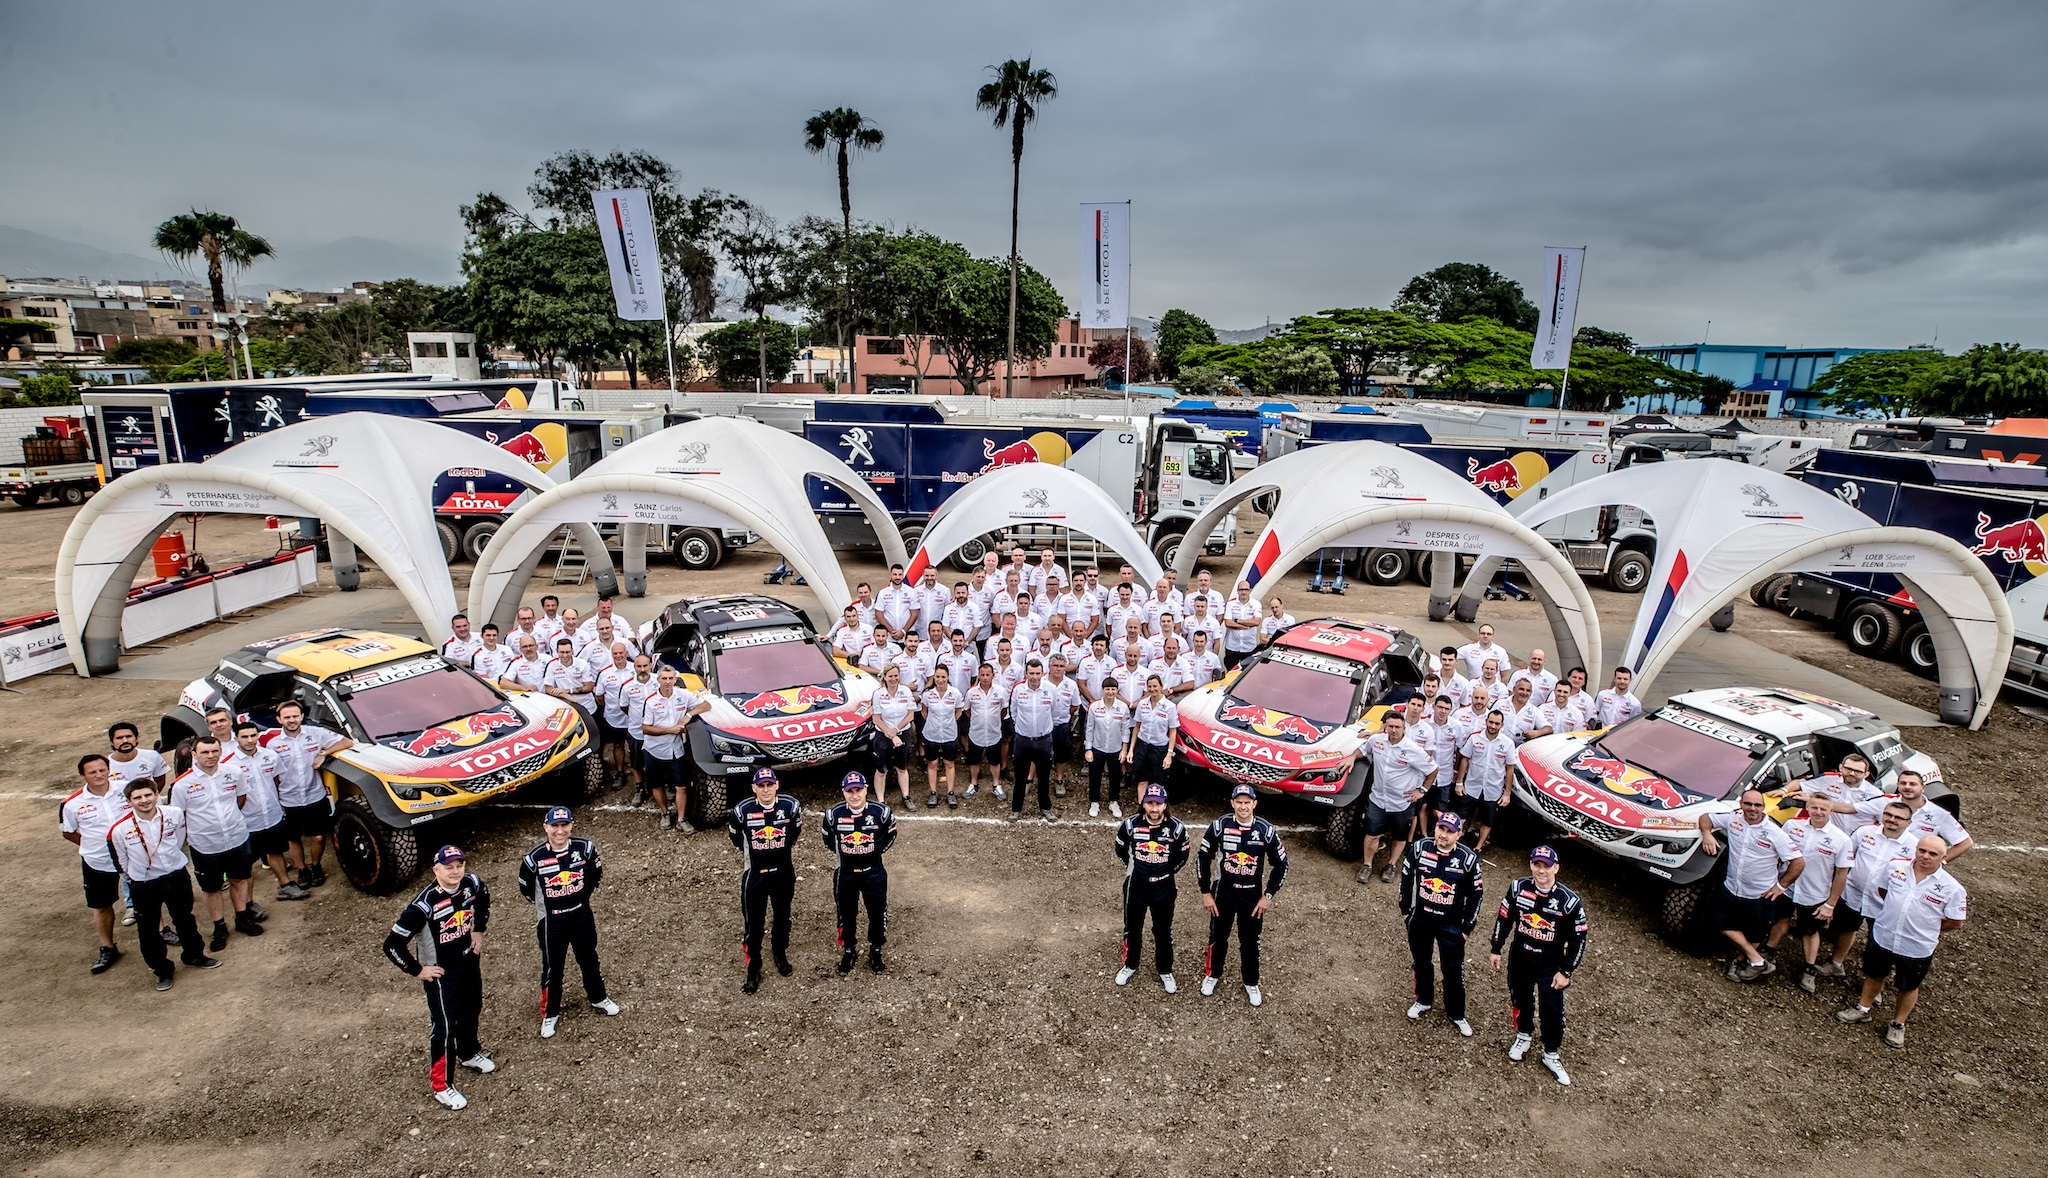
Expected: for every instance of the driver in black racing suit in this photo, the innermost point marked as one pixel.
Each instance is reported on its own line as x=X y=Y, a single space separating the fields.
x=1238 y=846
x=1547 y=924
x=1154 y=847
x=1441 y=891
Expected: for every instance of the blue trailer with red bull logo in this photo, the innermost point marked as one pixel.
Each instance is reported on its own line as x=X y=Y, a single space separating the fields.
x=1999 y=511
x=915 y=456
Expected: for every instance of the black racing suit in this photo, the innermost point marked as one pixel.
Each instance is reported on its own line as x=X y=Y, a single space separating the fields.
x=857 y=840
x=559 y=885
x=765 y=836
x=1549 y=933
x=1240 y=855
x=1440 y=897
x=445 y=923
x=1153 y=853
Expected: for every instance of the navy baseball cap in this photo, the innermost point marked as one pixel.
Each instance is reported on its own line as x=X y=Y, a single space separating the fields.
x=1243 y=790
x=853 y=781
x=1451 y=822
x=450 y=854
x=1543 y=854
x=764 y=776
x=1155 y=793
x=558 y=814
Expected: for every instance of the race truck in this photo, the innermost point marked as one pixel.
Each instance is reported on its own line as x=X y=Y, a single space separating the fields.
x=430 y=737
x=1290 y=719
x=779 y=695
x=1635 y=792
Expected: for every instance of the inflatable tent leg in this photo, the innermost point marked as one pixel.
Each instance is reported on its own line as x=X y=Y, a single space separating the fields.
x=1476 y=581
x=602 y=576
x=348 y=573
x=633 y=539
x=1443 y=577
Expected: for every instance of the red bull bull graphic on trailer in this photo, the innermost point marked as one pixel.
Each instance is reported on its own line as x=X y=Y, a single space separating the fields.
x=2020 y=542
x=1267 y=722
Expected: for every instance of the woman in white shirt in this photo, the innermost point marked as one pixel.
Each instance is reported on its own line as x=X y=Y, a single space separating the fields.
x=894 y=708
x=941 y=704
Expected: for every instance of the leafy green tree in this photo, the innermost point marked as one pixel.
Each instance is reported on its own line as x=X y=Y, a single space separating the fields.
x=761 y=255
x=547 y=293
x=43 y=391
x=15 y=332
x=847 y=130
x=1713 y=392
x=971 y=324
x=271 y=357
x=1180 y=329
x=912 y=290
x=1296 y=371
x=1014 y=98
x=1109 y=353
x=1204 y=380
x=1600 y=337
x=1891 y=383
x=340 y=339
x=1364 y=341
x=158 y=354
x=1998 y=380
x=1460 y=290
x=733 y=352
x=217 y=238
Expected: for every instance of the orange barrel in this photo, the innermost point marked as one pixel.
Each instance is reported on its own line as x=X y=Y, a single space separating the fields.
x=169 y=554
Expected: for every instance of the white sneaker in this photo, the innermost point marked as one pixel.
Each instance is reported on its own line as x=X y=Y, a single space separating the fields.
x=1115 y=811
x=127 y=917
x=449 y=1098
x=1095 y=809
x=1166 y=980
x=1519 y=1049
x=1252 y=992
x=547 y=1027
x=1556 y=1066
x=972 y=789
x=481 y=1063
x=1208 y=986
x=1000 y=795
x=605 y=1005
x=1464 y=1028
x=1416 y=1010
x=1124 y=975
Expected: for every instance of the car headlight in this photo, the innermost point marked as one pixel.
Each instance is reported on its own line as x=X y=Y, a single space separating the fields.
x=727 y=746
x=412 y=791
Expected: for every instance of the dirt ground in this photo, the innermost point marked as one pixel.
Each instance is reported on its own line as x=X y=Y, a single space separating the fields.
x=996 y=1042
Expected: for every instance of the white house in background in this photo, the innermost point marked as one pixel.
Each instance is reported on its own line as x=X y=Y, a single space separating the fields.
x=814 y=364
x=444 y=353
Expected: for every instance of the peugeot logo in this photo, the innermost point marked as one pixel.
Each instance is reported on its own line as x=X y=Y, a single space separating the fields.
x=611 y=502
x=693 y=453
x=856 y=441
x=1037 y=498
x=318 y=446
x=1401 y=527
x=1849 y=492
x=1388 y=477
x=163 y=492
x=1758 y=496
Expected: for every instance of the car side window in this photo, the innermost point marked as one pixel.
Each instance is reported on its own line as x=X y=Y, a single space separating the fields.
x=321 y=709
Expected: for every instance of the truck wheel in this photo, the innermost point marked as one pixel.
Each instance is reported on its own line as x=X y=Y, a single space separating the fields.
x=1763 y=591
x=698 y=549
x=1872 y=629
x=1629 y=572
x=1345 y=836
x=25 y=499
x=968 y=557
x=72 y=495
x=478 y=538
x=709 y=799
x=1386 y=566
x=375 y=857
x=451 y=540
x=1916 y=650
x=1167 y=548
x=912 y=535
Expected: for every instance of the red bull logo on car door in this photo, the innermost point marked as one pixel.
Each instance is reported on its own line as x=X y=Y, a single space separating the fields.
x=462 y=732
x=790 y=701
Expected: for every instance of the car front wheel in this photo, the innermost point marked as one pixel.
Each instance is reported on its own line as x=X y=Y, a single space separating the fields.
x=375 y=857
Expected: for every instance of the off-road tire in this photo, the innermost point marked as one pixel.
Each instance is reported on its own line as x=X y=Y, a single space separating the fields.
x=697 y=549
x=375 y=857
x=1385 y=566
x=709 y=800
x=1345 y=835
x=451 y=540
x=478 y=538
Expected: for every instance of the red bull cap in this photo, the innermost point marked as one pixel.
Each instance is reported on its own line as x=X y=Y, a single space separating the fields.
x=1451 y=822
x=450 y=854
x=1543 y=854
x=851 y=783
x=1243 y=790
x=557 y=815
x=1155 y=793
x=765 y=777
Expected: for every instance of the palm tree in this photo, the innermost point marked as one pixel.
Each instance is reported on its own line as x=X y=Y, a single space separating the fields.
x=851 y=131
x=219 y=239
x=1014 y=97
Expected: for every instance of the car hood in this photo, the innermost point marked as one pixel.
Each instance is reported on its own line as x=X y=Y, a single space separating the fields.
x=816 y=709
x=525 y=724
x=1568 y=768
x=1216 y=719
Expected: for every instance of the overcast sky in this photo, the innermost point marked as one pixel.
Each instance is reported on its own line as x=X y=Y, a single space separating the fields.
x=1820 y=173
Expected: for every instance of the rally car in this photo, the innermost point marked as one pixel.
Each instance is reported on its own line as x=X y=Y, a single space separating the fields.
x=1290 y=718
x=1636 y=791
x=430 y=737
x=779 y=695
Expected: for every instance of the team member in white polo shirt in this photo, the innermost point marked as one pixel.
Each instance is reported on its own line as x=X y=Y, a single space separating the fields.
x=1928 y=818
x=1108 y=732
x=665 y=715
x=1402 y=773
x=941 y=704
x=149 y=844
x=301 y=750
x=1277 y=619
x=1541 y=682
x=548 y=626
x=219 y=839
x=1847 y=787
x=529 y=671
x=1240 y=626
x=1872 y=849
x=987 y=704
x=1035 y=710
x=567 y=680
x=633 y=702
x=1616 y=705
x=896 y=606
x=895 y=736
x=492 y=656
x=1762 y=866
x=964 y=613
x=608 y=684
x=1149 y=750
x=1580 y=699
x=1482 y=776
x=462 y=647
x=1173 y=668
x=1095 y=667
x=255 y=768
x=128 y=760
x=1921 y=901
x=1475 y=654
x=1203 y=660
x=1811 y=904
x=84 y=819
x=1117 y=615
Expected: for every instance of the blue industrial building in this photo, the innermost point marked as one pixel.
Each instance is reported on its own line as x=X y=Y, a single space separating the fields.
x=1770 y=380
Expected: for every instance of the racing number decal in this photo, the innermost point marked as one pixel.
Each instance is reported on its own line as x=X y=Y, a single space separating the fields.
x=1170 y=466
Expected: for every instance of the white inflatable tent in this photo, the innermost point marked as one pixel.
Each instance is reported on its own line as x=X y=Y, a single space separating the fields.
x=1030 y=493
x=1299 y=468
x=1722 y=526
x=1375 y=495
x=716 y=472
x=368 y=476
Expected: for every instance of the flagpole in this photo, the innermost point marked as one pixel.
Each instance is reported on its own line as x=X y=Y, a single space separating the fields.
x=1130 y=363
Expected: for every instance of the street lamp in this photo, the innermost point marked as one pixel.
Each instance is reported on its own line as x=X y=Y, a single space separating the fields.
x=220 y=336
x=242 y=326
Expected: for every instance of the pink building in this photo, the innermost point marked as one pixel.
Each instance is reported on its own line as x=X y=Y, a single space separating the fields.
x=890 y=364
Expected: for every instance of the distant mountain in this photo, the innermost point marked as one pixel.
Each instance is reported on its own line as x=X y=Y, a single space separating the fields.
x=298 y=266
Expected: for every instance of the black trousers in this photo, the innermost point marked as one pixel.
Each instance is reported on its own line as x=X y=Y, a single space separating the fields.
x=559 y=933
x=1029 y=752
x=757 y=888
x=1234 y=906
x=849 y=887
x=454 y=1002
x=1428 y=935
x=1157 y=899
x=1530 y=994
x=1105 y=763
x=153 y=898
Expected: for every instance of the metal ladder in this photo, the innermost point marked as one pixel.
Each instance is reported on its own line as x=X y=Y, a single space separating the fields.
x=571 y=565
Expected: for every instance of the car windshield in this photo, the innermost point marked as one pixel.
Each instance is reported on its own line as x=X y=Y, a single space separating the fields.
x=1298 y=691
x=1692 y=761
x=772 y=666
x=420 y=701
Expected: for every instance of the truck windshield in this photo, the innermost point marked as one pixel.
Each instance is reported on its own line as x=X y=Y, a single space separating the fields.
x=1692 y=761
x=1206 y=464
x=1297 y=691
x=419 y=702
x=772 y=666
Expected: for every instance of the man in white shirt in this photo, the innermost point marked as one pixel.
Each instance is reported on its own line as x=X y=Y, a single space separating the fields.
x=1872 y=849
x=961 y=663
x=84 y=819
x=1203 y=592
x=1034 y=712
x=1047 y=574
x=1130 y=673
x=1203 y=661
x=963 y=612
x=1847 y=787
x=1555 y=714
x=932 y=598
x=1928 y=818
x=491 y=657
x=595 y=640
x=1276 y=619
x=1762 y=866
x=148 y=842
x=1095 y=667
x=1475 y=654
x=461 y=648
x=665 y=715
x=1165 y=600
x=219 y=839
x=601 y=614
x=1920 y=902
x=1200 y=618
x=549 y=625
x=528 y=672
x=896 y=606
x=1403 y=773
x=849 y=636
x=1542 y=681
x=915 y=662
x=1240 y=626
x=878 y=655
x=987 y=704
x=1616 y=705
x=633 y=702
x=1450 y=675
x=1806 y=911
x=1132 y=638
x=566 y=679
x=1482 y=782
x=1173 y=668
x=256 y=787
x=301 y=750
x=524 y=622
x=1068 y=690
x=128 y=760
x=608 y=686
x=1522 y=712
x=1116 y=618
x=1434 y=726
x=1579 y=698
x=864 y=603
